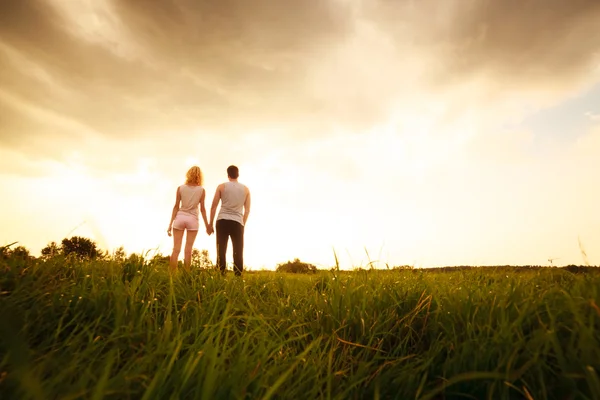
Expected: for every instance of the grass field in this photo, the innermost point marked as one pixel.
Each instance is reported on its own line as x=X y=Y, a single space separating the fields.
x=92 y=330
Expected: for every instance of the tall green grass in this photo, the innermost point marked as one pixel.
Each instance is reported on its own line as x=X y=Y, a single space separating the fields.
x=94 y=330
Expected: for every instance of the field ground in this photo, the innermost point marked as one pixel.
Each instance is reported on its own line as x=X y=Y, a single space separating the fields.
x=91 y=330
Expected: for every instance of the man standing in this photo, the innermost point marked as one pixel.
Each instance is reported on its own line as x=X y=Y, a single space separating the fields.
x=235 y=207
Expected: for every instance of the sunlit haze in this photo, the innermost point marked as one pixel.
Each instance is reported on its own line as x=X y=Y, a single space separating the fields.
x=401 y=132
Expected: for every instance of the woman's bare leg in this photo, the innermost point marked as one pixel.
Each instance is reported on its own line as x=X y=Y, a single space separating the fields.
x=177 y=239
x=189 y=245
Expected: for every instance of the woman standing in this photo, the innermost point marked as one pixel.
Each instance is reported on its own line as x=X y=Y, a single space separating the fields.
x=185 y=216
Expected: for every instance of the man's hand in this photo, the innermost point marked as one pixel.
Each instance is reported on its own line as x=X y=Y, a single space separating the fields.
x=210 y=230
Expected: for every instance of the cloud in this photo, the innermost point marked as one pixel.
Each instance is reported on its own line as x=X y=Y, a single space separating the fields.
x=158 y=68
x=197 y=63
x=535 y=42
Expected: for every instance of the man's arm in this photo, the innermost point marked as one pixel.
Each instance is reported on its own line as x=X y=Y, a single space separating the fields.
x=215 y=203
x=247 y=206
x=175 y=210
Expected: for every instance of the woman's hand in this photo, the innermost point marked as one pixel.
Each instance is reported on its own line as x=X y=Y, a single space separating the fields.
x=169 y=231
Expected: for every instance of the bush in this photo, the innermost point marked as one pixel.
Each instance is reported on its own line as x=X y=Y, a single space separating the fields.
x=297 y=267
x=50 y=251
x=80 y=247
x=18 y=252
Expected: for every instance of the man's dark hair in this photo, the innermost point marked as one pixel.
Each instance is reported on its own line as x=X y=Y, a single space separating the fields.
x=233 y=172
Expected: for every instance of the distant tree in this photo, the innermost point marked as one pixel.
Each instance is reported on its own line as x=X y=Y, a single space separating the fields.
x=297 y=267
x=80 y=247
x=403 y=267
x=201 y=259
x=21 y=253
x=5 y=250
x=14 y=257
x=50 y=251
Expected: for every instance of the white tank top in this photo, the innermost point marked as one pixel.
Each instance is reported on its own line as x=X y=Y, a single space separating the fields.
x=190 y=199
x=233 y=197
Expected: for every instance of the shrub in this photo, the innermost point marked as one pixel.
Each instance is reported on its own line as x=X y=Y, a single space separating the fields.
x=297 y=267
x=80 y=247
x=50 y=251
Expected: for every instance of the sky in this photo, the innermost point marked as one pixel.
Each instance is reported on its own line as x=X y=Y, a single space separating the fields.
x=381 y=132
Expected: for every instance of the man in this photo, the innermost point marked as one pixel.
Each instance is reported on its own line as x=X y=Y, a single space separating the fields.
x=235 y=208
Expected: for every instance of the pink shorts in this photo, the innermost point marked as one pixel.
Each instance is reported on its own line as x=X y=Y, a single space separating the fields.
x=186 y=221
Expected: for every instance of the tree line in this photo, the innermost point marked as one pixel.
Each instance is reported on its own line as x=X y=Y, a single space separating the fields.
x=85 y=249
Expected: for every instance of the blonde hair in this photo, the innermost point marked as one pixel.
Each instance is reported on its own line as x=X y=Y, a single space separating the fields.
x=194 y=176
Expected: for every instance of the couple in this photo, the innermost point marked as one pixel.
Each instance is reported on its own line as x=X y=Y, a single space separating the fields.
x=233 y=214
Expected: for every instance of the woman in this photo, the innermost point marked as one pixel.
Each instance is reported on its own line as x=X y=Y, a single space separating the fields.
x=185 y=216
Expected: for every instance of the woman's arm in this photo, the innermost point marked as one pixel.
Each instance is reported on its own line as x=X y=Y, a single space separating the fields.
x=175 y=209
x=203 y=211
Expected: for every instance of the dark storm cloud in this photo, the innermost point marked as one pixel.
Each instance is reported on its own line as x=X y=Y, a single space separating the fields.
x=207 y=64
x=515 y=42
x=259 y=53
x=109 y=94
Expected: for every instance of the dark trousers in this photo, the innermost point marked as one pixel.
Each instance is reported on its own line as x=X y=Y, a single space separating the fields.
x=227 y=228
